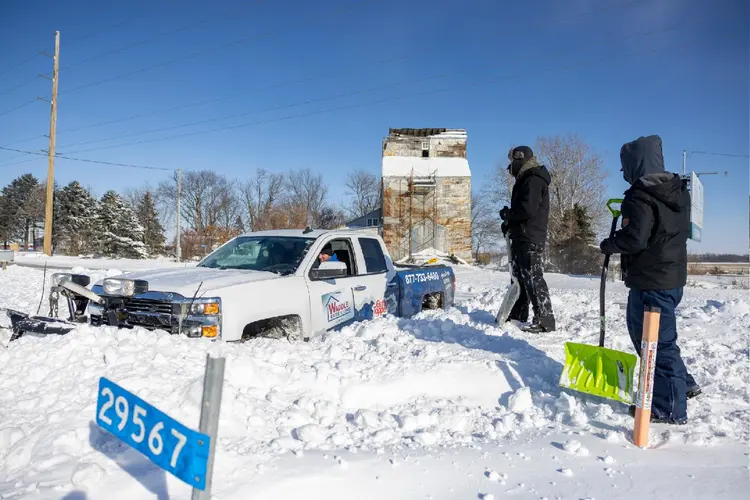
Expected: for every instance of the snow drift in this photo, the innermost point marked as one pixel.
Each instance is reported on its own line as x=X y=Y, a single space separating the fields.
x=444 y=405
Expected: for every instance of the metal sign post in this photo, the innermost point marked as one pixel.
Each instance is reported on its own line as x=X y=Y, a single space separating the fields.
x=213 y=384
x=179 y=450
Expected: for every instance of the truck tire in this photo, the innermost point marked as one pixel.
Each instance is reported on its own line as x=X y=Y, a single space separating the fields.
x=289 y=327
x=432 y=301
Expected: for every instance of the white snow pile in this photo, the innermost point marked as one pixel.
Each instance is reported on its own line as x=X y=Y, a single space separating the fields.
x=57 y=262
x=444 y=405
x=431 y=256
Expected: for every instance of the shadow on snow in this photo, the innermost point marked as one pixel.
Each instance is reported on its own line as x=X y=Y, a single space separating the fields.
x=131 y=461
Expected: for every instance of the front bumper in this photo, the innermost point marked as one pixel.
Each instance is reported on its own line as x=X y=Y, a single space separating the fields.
x=169 y=312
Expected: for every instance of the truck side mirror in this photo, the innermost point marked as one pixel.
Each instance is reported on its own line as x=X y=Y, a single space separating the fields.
x=329 y=270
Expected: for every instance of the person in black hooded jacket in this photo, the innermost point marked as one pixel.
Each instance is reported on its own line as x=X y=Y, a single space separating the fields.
x=653 y=244
x=526 y=224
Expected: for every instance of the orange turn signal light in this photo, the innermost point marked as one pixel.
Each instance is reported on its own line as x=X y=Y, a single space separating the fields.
x=210 y=331
x=212 y=308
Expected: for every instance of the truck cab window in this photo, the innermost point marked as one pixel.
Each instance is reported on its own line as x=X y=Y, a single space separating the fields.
x=373 y=253
x=342 y=249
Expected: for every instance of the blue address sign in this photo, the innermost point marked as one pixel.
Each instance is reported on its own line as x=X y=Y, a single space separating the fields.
x=175 y=448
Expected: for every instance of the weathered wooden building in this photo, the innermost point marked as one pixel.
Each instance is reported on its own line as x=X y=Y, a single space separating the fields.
x=426 y=192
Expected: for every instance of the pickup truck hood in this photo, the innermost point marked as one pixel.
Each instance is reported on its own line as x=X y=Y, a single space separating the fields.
x=185 y=281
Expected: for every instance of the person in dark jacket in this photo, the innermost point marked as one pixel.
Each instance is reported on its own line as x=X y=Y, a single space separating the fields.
x=525 y=222
x=653 y=244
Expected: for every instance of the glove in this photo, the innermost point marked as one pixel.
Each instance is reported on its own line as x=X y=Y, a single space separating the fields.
x=504 y=212
x=604 y=247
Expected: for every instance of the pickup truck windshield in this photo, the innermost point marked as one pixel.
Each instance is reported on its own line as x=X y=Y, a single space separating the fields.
x=275 y=254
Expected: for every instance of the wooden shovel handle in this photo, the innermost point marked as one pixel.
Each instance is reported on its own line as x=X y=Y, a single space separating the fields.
x=649 y=342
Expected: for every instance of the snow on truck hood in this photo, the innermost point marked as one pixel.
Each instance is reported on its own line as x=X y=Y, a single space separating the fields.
x=186 y=280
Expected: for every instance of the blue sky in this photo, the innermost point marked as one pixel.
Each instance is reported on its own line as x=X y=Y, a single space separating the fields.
x=508 y=72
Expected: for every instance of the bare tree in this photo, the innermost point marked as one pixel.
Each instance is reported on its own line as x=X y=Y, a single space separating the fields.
x=578 y=178
x=261 y=196
x=229 y=206
x=202 y=197
x=363 y=189
x=134 y=195
x=307 y=191
x=485 y=225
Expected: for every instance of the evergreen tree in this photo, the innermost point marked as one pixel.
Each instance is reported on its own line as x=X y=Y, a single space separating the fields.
x=119 y=234
x=153 y=231
x=20 y=208
x=576 y=252
x=75 y=218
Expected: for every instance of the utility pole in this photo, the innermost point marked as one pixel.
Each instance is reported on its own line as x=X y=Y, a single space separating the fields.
x=51 y=152
x=684 y=162
x=178 y=247
x=411 y=216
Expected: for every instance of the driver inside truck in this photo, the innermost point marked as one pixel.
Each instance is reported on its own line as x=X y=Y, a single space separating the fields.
x=327 y=255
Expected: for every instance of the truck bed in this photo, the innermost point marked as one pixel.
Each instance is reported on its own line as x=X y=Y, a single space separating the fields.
x=413 y=290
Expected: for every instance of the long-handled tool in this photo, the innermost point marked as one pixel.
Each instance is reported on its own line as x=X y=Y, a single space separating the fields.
x=595 y=369
x=512 y=294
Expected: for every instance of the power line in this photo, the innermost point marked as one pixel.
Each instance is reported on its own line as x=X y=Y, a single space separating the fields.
x=218 y=47
x=18 y=107
x=354 y=106
x=380 y=101
x=86 y=160
x=67 y=43
x=326 y=74
x=105 y=29
x=22 y=84
x=17 y=162
x=18 y=65
x=135 y=44
x=730 y=155
x=317 y=100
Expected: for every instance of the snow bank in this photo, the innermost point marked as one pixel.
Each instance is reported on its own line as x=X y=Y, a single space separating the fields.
x=444 y=405
x=402 y=166
x=432 y=256
x=39 y=260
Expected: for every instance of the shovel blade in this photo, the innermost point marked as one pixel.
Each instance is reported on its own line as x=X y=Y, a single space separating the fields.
x=511 y=297
x=599 y=371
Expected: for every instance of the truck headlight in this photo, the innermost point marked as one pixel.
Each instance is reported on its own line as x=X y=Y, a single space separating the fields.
x=58 y=278
x=78 y=279
x=124 y=287
x=205 y=308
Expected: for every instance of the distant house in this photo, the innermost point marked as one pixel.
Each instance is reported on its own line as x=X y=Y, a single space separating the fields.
x=369 y=222
x=371 y=219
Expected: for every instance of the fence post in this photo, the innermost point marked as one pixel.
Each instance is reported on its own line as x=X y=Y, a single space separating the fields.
x=213 y=383
x=649 y=341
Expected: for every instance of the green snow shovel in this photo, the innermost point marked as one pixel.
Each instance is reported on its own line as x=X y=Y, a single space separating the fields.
x=595 y=369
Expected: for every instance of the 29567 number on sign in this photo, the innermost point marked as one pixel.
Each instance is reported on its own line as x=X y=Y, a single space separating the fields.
x=175 y=448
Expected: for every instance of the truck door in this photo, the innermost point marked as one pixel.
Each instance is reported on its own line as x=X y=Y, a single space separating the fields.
x=374 y=276
x=332 y=303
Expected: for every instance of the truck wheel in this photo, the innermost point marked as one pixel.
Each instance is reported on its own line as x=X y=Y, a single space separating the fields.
x=432 y=301
x=289 y=327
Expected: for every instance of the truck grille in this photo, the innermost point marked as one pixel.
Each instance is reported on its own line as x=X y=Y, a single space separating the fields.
x=148 y=306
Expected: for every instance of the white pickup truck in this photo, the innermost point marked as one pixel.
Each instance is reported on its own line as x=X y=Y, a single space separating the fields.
x=294 y=283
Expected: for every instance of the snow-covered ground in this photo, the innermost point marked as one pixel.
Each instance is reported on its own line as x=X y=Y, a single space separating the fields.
x=441 y=406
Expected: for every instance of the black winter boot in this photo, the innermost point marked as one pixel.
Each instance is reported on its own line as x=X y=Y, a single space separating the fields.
x=654 y=420
x=694 y=391
x=541 y=325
